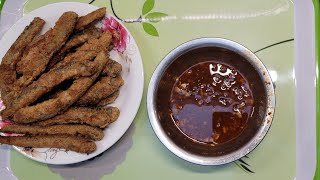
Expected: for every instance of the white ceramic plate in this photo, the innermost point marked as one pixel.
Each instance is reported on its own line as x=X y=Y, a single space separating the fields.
x=130 y=93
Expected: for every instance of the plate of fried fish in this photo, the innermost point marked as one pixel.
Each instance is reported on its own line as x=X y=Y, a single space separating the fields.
x=71 y=81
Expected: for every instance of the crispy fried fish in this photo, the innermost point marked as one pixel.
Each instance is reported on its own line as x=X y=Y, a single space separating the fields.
x=89 y=18
x=104 y=87
x=85 y=131
x=65 y=99
x=34 y=62
x=46 y=82
x=74 y=41
x=89 y=50
x=99 y=117
x=77 y=144
x=110 y=99
x=35 y=40
x=113 y=68
x=13 y=55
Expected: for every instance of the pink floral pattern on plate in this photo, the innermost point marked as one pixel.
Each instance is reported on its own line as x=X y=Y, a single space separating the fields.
x=4 y=123
x=2 y=106
x=121 y=38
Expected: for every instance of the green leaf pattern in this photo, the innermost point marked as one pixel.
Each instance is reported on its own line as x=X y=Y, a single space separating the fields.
x=1 y=4
x=152 y=17
x=150 y=29
x=147 y=6
x=244 y=165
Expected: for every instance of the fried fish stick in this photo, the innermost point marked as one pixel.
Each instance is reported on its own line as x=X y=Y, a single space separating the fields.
x=110 y=99
x=65 y=99
x=35 y=41
x=100 y=90
x=99 y=117
x=89 y=18
x=52 y=107
x=113 y=68
x=34 y=62
x=77 y=144
x=70 y=130
x=13 y=55
x=47 y=82
x=89 y=50
x=74 y=41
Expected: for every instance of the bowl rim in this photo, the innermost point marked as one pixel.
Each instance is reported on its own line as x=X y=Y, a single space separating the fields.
x=210 y=42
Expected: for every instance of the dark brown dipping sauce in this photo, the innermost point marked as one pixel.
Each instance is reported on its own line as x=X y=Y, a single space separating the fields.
x=211 y=102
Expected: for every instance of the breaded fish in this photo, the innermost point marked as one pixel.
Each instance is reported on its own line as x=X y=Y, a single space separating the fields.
x=14 y=54
x=35 y=60
x=74 y=41
x=113 y=68
x=77 y=144
x=99 y=117
x=89 y=50
x=63 y=101
x=70 y=130
x=90 y=18
x=104 y=87
x=45 y=83
x=36 y=40
x=110 y=99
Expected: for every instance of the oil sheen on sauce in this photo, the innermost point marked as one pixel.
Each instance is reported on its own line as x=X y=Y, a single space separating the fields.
x=211 y=103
